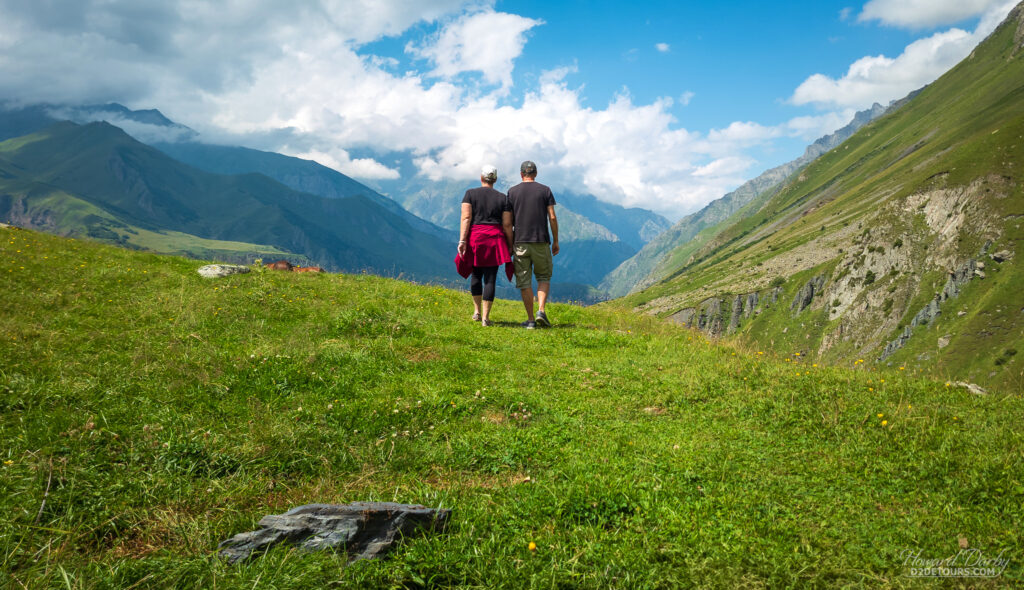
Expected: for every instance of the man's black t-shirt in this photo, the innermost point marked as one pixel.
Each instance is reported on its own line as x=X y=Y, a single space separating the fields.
x=530 y=202
x=488 y=205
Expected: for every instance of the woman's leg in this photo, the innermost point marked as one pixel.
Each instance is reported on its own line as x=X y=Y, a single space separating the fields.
x=476 y=289
x=490 y=279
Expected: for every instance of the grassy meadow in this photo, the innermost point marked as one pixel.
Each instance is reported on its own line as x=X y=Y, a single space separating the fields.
x=146 y=414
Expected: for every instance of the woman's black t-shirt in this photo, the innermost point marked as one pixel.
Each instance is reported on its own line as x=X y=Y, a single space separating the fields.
x=488 y=205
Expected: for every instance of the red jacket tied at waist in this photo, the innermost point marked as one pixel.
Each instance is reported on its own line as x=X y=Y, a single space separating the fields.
x=486 y=247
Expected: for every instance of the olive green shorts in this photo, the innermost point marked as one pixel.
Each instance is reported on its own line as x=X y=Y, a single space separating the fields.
x=535 y=257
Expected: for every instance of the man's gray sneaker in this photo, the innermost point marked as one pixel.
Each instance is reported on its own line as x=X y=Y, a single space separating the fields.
x=542 y=320
x=529 y=324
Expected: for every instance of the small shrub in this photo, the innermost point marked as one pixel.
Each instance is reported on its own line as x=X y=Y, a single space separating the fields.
x=887 y=305
x=898 y=243
x=777 y=282
x=869 y=277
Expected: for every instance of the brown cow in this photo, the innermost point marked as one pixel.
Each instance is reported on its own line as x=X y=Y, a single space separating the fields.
x=281 y=265
x=308 y=269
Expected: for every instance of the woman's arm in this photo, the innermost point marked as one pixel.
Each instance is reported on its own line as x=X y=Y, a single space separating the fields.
x=467 y=217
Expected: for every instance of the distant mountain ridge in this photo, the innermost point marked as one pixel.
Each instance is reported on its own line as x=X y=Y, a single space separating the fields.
x=302 y=175
x=96 y=180
x=663 y=253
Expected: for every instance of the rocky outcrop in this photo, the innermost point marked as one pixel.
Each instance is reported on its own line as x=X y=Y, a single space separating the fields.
x=751 y=303
x=214 y=271
x=927 y=314
x=806 y=294
x=710 y=315
x=363 y=530
x=742 y=307
x=707 y=316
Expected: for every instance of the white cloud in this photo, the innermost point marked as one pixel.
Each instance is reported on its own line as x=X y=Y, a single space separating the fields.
x=844 y=13
x=298 y=78
x=882 y=79
x=662 y=47
x=485 y=42
x=919 y=14
x=338 y=159
x=686 y=97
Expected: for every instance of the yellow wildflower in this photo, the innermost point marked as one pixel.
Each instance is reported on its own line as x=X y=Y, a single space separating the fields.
x=532 y=546
x=884 y=422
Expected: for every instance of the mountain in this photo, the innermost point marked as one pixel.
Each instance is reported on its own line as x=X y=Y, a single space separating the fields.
x=900 y=246
x=96 y=180
x=302 y=175
x=674 y=246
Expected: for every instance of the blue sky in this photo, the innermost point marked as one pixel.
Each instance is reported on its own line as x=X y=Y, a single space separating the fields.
x=664 y=105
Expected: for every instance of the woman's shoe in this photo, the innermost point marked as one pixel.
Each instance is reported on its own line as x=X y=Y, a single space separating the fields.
x=486 y=323
x=476 y=317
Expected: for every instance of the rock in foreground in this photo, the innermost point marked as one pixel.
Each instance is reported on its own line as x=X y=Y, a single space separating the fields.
x=364 y=530
x=213 y=271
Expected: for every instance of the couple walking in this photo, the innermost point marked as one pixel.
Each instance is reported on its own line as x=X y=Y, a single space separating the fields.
x=494 y=224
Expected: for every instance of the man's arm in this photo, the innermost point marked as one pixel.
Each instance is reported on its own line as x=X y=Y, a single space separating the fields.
x=506 y=226
x=553 y=220
x=467 y=217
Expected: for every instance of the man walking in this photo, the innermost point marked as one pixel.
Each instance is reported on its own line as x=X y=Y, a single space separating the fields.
x=533 y=208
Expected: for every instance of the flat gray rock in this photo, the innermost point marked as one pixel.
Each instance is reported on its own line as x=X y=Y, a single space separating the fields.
x=214 y=271
x=364 y=530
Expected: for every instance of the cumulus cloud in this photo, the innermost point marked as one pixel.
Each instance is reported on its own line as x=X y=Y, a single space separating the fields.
x=882 y=79
x=686 y=97
x=662 y=47
x=485 y=42
x=919 y=14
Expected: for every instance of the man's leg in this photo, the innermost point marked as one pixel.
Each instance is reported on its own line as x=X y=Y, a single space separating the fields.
x=543 y=267
x=527 y=295
x=524 y=278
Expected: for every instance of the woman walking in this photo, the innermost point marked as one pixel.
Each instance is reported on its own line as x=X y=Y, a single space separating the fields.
x=485 y=240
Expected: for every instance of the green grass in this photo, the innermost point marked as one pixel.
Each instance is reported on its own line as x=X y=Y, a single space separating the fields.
x=157 y=413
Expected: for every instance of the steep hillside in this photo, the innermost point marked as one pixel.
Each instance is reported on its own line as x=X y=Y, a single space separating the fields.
x=900 y=247
x=671 y=249
x=95 y=180
x=148 y=414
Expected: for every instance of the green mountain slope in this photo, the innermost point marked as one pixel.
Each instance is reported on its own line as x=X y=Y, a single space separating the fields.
x=148 y=414
x=901 y=246
x=674 y=247
x=140 y=188
x=302 y=175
